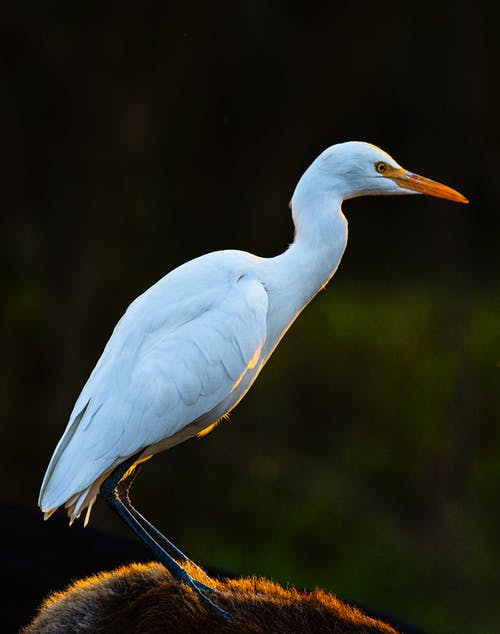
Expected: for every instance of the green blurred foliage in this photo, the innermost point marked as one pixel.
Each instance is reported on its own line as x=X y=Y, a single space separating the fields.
x=366 y=458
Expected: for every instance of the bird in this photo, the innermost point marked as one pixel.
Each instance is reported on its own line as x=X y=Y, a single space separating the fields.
x=188 y=349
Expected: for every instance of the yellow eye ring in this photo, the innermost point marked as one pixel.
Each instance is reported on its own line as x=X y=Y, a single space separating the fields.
x=381 y=167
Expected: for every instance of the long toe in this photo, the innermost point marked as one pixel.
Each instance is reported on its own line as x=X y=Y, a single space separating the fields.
x=200 y=590
x=201 y=587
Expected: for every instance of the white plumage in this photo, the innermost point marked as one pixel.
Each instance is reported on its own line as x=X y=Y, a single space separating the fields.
x=188 y=349
x=178 y=355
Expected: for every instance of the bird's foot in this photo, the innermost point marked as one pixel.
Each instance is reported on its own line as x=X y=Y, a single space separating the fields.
x=202 y=590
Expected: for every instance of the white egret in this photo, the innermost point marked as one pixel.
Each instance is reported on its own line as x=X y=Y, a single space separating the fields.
x=188 y=349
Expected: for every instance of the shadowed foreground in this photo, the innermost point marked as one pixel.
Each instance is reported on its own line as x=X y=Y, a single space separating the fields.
x=143 y=598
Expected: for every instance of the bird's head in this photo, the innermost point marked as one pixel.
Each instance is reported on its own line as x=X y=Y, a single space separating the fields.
x=352 y=169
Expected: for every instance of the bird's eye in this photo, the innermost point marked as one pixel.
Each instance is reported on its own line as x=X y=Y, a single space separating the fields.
x=381 y=167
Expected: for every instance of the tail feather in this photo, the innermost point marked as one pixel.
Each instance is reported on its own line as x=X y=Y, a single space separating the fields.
x=83 y=500
x=61 y=446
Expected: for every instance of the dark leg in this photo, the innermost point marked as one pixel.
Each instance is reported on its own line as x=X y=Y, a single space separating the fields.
x=115 y=491
x=122 y=489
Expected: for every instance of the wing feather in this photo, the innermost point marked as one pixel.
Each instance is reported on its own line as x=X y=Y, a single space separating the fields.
x=167 y=364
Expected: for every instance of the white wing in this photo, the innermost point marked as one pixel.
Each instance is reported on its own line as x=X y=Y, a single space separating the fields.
x=178 y=353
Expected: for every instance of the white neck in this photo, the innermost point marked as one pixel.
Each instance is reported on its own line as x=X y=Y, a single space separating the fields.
x=308 y=264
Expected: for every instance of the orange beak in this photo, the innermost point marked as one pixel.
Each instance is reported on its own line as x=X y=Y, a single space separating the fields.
x=417 y=183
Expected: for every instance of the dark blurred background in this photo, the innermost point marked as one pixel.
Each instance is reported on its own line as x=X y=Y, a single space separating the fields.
x=135 y=136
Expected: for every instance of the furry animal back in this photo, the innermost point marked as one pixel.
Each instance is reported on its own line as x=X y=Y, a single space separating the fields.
x=144 y=599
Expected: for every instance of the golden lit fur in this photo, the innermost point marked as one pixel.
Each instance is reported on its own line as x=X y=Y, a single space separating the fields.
x=143 y=599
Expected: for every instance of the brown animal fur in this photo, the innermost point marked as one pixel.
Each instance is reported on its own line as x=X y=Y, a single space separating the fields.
x=143 y=599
